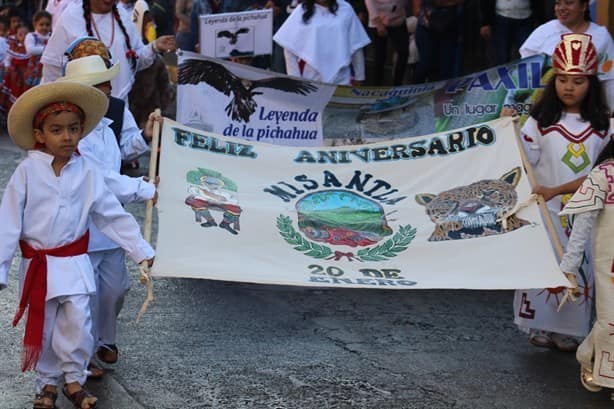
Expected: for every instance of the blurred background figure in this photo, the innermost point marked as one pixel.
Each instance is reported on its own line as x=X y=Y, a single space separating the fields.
x=507 y=24
x=387 y=26
x=439 y=38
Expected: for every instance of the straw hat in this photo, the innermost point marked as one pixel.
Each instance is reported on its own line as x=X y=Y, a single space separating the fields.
x=90 y=70
x=92 y=101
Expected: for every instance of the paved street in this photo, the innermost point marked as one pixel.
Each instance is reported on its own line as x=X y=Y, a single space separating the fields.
x=207 y=344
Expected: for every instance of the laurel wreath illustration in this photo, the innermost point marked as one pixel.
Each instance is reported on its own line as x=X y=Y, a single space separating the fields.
x=390 y=248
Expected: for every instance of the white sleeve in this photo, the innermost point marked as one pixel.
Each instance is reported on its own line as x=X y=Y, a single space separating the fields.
x=358 y=63
x=127 y=189
x=11 y=214
x=111 y=218
x=132 y=144
x=292 y=67
x=529 y=135
x=53 y=53
x=580 y=233
x=31 y=47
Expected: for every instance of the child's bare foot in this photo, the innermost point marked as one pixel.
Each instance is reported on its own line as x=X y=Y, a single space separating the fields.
x=46 y=399
x=78 y=396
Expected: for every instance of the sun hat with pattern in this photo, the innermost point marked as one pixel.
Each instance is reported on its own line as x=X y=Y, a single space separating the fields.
x=93 y=103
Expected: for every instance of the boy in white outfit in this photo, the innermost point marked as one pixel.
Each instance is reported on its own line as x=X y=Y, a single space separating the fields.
x=51 y=200
x=107 y=256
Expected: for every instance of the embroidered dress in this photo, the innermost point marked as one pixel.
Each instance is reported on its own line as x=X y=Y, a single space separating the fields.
x=559 y=154
x=71 y=26
x=16 y=64
x=35 y=44
x=594 y=202
x=327 y=45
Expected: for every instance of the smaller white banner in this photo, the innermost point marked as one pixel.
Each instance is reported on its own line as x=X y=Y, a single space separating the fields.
x=243 y=34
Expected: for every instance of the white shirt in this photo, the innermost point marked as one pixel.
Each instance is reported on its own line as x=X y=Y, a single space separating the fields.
x=35 y=43
x=546 y=37
x=327 y=43
x=4 y=47
x=55 y=8
x=101 y=149
x=50 y=211
x=71 y=26
x=516 y=9
x=132 y=144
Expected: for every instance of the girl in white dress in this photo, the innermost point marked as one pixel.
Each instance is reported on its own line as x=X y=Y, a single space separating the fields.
x=567 y=129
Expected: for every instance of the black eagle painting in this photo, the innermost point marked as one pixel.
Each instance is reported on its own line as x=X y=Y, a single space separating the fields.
x=233 y=37
x=242 y=105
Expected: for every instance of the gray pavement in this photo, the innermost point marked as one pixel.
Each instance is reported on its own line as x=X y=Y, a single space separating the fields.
x=208 y=344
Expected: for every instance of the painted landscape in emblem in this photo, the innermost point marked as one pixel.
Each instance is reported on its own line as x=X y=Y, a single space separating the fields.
x=474 y=210
x=340 y=217
x=242 y=91
x=330 y=221
x=238 y=42
x=210 y=191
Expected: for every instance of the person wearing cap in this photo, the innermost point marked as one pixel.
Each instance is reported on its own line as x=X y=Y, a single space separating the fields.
x=54 y=196
x=108 y=258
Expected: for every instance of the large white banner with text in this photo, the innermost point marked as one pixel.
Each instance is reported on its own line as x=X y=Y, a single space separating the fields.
x=421 y=212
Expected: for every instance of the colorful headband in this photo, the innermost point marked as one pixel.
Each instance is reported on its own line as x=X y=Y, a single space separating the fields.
x=56 y=107
x=575 y=55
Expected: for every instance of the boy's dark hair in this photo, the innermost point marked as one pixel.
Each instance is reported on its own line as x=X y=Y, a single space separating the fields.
x=309 y=8
x=594 y=108
x=41 y=14
x=4 y=20
x=606 y=153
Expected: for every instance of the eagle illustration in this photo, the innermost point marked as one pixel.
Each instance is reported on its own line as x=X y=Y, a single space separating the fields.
x=233 y=36
x=242 y=105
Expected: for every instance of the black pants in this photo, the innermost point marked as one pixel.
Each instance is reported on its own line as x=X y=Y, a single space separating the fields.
x=399 y=38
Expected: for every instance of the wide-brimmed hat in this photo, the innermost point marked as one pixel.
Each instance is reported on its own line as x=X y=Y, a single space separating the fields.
x=90 y=70
x=93 y=103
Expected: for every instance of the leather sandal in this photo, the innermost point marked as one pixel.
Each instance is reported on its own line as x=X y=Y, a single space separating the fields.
x=41 y=400
x=77 y=398
x=108 y=353
x=95 y=372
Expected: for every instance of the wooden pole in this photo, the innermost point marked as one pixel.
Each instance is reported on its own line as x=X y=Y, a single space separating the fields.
x=540 y=199
x=153 y=165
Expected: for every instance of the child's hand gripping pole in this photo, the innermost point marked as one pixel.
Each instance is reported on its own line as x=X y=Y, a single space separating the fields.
x=544 y=211
x=153 y=165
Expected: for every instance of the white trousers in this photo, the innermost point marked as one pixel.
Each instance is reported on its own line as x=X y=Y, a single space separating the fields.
x=67 y=341
x=112 y=284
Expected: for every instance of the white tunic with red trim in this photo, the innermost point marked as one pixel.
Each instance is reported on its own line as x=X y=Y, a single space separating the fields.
x=597 y=196
x=559 y=154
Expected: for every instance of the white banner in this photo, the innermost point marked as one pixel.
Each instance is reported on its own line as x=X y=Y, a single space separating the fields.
x=236 y=100
x=243 y=34
x=411 y=213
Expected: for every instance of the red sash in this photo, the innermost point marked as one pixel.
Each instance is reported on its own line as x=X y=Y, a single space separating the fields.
x=34 y=293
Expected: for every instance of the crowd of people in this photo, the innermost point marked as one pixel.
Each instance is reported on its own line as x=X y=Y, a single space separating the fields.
x=92 y=81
